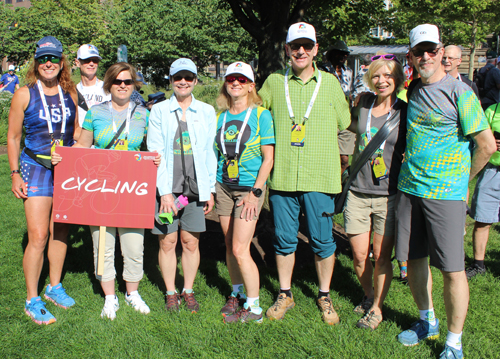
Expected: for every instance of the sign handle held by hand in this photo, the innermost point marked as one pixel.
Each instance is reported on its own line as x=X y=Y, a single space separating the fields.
x=100 y=250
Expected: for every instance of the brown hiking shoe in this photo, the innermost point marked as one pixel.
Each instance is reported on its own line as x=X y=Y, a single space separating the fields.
x=191 y=302
x=244 y=316
x=232 y=305
x=364 y=306
x=370 y=321
x=173 y=302
x=328 y=313
x=280 y=307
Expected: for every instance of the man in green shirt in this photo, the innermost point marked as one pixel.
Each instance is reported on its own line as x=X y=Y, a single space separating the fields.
x=308 y=108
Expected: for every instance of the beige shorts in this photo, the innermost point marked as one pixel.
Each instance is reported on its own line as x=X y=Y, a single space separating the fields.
x=363 y=211
x=346 y=141
x=226 y=199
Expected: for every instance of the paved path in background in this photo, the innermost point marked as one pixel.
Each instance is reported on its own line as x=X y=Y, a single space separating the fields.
x=3 y=150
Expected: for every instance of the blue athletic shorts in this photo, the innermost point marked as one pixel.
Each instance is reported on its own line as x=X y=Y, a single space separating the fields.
x=39 y=180
x=286 y=208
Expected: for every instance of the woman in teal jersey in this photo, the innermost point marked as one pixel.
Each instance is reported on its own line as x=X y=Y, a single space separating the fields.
x=102 y=124
x=245 y=149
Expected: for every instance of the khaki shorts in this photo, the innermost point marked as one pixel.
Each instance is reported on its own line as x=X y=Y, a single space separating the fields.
x=226 y=199
x=366 y=210
x=346 y=141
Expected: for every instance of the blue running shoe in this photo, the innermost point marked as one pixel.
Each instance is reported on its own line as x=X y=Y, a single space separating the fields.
x=36 y=310
x=451 y=353
x=418 y=331
x=58 y=296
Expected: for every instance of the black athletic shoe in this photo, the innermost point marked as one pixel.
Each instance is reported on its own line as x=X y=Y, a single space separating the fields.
x=474 y=270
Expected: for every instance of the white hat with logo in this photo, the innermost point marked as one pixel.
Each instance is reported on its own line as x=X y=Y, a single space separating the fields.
x=87 y=51
x=242 y=69
x=12 y=67
x=424 y=33
x=301 y=30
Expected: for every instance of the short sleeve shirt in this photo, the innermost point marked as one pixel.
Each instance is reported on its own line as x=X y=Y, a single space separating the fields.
x=492 y=114
x=437 y=161
x=178 y=176
x=92 y=95
x=258 y=131
x=490 y=86
x=315 y=167
x=100 y=121
x=9 y=82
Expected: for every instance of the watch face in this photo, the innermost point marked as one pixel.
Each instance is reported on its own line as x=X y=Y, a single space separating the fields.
x=257 y=192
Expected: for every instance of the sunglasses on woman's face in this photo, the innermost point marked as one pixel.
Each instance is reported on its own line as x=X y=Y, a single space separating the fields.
x=44 y=59
x=127 y=82
x=188 y=78
x=241 y=79
x=385 y=57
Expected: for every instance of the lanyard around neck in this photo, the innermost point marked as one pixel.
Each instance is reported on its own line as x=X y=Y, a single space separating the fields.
x=48 y=115
x=129 y=113
x=369 y=122
x=311 y=103
x=240 y=134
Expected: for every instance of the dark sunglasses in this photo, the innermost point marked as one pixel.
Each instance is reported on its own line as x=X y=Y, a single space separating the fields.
x=188 y=78
x=95 y=60
x=241 y=79
x=127 y=82
x=46 y=58
x=421 y=52
x=308 y=46
x=390 y=57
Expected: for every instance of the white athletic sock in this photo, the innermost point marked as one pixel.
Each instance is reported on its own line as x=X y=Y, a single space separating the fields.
x=111 y=297
x=130 y=294
x=454 y=340
x=428 y=316
x=254 y=305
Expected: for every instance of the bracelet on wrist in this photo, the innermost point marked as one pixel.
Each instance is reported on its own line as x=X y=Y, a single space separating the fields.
x=14 y=172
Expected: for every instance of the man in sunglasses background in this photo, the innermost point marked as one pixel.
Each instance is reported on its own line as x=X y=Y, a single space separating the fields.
x=308 y=108
x=89 y=88
x=444 y=114
x=451 y=61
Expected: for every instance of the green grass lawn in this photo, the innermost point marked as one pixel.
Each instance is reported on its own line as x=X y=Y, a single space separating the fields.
x=80 y=332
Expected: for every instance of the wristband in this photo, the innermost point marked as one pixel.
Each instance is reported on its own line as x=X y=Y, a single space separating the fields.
x=14 y=171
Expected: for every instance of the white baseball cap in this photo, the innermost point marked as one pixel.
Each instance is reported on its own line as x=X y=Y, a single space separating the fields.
x=424 y=33
x=12 y=67
x=87 y=51
x=242 y=69
x=300 y=30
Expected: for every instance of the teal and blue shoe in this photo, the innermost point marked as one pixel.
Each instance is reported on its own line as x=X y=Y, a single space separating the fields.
x=451 y=353
x=37 y=312
x=58 y=296
x=418 y=331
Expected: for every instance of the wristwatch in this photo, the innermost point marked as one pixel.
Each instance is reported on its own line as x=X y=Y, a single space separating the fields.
x=257 y=192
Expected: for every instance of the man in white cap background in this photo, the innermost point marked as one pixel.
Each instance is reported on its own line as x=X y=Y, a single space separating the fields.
x=444 y=114
x=9 y=80
x=308 y=108
x=89 y=88
x=451 y=61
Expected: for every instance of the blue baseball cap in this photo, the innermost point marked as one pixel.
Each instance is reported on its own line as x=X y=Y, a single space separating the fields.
x=49 y=45
x=181 y=65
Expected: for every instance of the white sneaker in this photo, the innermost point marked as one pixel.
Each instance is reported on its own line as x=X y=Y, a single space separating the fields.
x=110 y=308
x=135 y=300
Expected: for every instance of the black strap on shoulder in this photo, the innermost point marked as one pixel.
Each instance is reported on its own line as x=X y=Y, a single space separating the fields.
x=120 y=130
x=182 y=146
x=81 y=101
x=412 y=86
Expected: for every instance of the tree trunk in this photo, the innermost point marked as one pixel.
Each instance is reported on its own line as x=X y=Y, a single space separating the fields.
x=472 y=56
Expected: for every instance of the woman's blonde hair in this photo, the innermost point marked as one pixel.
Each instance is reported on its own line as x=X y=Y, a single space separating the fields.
x=63 y=77
x=224 y=100
x=394 y=67
x=113 y=72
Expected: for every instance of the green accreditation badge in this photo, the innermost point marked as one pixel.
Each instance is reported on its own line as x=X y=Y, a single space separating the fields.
x=379 y=169
x=55 y=143
x=121 y=145
x=298 y=135
x=232 y=169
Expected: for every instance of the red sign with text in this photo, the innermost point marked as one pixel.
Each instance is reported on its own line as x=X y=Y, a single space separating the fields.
x=105 y=188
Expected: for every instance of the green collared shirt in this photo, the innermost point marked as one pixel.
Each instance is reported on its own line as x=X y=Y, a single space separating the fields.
x=316 y=166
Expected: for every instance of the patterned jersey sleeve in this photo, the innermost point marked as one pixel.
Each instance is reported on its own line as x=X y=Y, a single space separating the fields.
x=87 y=123
x=471 y=115
x=266 y=128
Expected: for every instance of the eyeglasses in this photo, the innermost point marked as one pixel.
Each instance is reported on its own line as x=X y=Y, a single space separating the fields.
x=446 y=58
x=421 y=52
x=44 y=59
x=188 y=78
x=119 y=82
x=241 y=79
x=308 y=46
x=390 y=57
x=95 y=60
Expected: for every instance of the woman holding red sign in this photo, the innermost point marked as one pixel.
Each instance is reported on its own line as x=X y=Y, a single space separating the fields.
x=119 y=124
x=46 y=109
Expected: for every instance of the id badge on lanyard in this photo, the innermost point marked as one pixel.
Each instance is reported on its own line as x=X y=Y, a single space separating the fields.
x=298 y=133
x=54 y=143
x=120 y=143
x=379 y=168
x=232 y=169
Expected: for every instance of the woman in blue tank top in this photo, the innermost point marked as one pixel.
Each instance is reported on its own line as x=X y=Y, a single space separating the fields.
x=46 y=109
